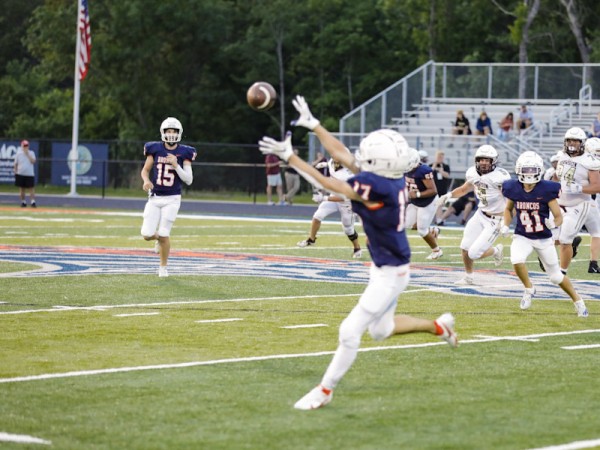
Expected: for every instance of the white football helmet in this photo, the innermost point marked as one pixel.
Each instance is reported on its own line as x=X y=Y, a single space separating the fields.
x=423 y=155
x=333 y=165
x=486 y=152
x=529 y=167
x=575 y=134
x=592 y=145
x=384 y=152
x=555 y=157
x=415 y=158
x=168 y=124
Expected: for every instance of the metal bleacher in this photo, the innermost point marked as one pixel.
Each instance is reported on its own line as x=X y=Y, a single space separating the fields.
x=422 y=106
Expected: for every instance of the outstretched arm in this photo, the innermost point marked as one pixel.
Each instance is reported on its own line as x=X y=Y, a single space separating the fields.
x=283 y=149
x=333 y=145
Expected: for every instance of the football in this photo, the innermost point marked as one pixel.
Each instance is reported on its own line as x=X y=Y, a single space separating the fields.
x=261 y=96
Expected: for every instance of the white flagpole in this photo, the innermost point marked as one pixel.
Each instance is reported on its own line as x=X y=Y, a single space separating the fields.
x=74 y=153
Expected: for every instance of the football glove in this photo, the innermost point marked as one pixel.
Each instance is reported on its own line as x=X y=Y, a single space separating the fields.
x=319 y=197
x=573 y=188
x=504 y=231
x=550 y=223
x=444 y=199
x=306 y=118
x=283 y=149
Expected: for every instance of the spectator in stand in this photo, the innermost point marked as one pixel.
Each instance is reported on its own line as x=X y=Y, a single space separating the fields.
x=595 y=127
x=292 y=182
x=441 y=177
x=461 y=124
x=506 y=126
x=483 y=125
x=525 y=119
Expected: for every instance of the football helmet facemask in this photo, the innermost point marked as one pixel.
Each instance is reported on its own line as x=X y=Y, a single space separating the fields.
x=592 y=146
x=385 y=153
x=529 y=167
x=576 y=140
x=485 y=152
x=171 y=123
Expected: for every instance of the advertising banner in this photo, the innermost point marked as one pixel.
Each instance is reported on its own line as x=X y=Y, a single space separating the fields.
x=90 y=166
x=8 y=150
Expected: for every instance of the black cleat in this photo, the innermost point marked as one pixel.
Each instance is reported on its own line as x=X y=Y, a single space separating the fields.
x=541 y=265
x=575 y=244
x=593 y=267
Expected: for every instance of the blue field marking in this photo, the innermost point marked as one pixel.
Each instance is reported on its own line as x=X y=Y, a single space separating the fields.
x=58 y=261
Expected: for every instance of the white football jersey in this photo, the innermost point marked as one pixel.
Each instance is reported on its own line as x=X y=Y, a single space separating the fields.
x=488 y=189
x=549 y=173
x=575 y=170
x=341 y=174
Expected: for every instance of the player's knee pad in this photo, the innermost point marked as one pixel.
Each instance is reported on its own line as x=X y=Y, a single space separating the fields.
x=352 y=235
x=423 y=232
x=349 y=335
x=381 y=330
x=475 y=253
x=556 y=276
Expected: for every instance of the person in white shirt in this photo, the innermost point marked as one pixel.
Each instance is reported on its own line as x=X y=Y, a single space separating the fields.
x=485 y=179
x=25 y=173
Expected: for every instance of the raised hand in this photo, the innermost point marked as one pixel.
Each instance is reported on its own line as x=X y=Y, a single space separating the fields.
x=283 y=149
x=306 y=118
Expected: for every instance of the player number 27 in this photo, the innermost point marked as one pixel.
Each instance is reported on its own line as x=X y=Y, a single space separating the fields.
x=532 y=222
x=165 y=175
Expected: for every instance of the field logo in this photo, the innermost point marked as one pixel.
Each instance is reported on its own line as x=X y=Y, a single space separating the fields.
x=52 y=262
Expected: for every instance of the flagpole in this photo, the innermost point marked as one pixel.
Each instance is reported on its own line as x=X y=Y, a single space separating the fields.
x=74 y=153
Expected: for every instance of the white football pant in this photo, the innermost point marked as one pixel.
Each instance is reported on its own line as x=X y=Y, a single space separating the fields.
x=160 y=214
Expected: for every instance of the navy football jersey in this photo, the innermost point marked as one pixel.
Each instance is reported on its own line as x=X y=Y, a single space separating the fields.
x=383 y=222
x=414 y=181
x=163 y=176
x=532 y=207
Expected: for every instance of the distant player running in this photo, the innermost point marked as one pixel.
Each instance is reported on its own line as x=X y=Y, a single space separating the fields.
x=330 y=204
x=422 y=194
x=534 y=199
x=378 y=195
x=482 y=229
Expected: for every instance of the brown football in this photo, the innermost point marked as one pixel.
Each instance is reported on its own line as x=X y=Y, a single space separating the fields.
x=261 y=96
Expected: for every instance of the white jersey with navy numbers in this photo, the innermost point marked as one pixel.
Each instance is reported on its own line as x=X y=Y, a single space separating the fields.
x=488 y=189
x=575 y=170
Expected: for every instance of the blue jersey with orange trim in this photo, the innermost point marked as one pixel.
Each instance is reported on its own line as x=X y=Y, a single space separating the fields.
x=383 y=218
x=414 y=181
x=532 y=207
x=163 y=176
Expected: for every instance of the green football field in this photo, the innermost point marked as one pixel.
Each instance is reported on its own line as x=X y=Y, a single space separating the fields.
x=99 y=353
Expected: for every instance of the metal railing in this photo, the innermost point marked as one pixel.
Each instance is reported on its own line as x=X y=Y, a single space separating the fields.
x=482 y=81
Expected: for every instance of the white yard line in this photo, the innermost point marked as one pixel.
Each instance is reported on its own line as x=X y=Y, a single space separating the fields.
x=581 y=347
x=137 y=314
x=314 y=325
x=188 y=302
x=22 y=439
x=572 y=446
x=218 y=320
x=82 y=373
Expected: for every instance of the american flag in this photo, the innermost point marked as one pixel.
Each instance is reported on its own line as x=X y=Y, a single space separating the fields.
x=85 y=44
